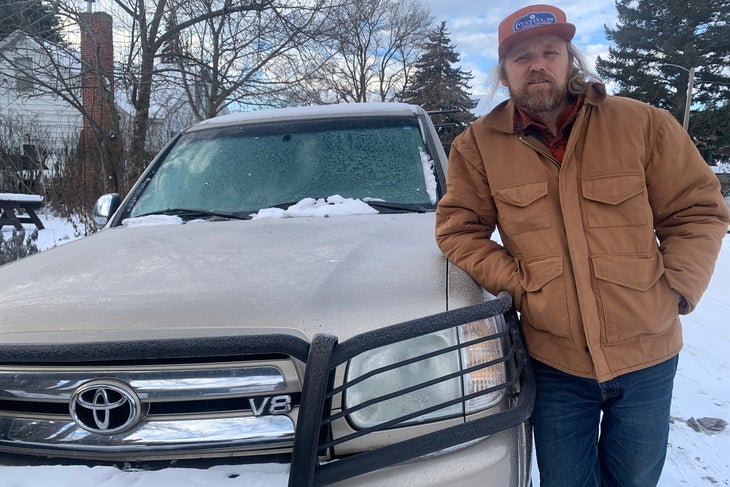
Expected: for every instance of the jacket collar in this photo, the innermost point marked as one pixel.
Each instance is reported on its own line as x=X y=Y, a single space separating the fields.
x=501 y=118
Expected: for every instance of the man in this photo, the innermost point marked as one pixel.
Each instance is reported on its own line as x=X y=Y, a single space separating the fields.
x=610 y=223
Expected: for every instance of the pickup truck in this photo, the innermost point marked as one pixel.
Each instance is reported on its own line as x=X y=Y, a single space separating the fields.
x=270 y=290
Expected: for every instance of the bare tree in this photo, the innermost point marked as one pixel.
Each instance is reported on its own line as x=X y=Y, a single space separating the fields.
x=221 y=48
x=217 y=52
x=374 y=44
x=242 y=51
x=239 y=58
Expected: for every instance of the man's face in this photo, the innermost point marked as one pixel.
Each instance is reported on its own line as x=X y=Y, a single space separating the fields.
x=536 y=73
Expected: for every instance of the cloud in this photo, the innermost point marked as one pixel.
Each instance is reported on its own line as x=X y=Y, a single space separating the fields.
x=473 y=24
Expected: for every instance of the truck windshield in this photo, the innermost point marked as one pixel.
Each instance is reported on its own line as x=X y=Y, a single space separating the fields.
x=249 y=167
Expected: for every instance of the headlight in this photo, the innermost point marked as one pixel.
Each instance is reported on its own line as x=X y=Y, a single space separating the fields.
x=481 y=353
x=422 y=359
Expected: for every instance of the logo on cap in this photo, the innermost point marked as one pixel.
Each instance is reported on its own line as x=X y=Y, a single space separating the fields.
x=534 y=19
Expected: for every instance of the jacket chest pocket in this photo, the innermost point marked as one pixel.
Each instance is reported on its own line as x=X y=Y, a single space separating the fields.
x=523 y=208
x=615 y=201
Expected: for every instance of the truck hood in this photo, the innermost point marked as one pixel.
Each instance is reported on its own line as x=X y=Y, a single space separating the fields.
x=340 y=275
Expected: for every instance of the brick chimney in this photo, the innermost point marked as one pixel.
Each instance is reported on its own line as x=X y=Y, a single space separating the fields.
x=97 y=59
x=100 y=143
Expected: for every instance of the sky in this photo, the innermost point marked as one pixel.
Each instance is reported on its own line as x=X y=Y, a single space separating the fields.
x=697 y=457
x=473 y=27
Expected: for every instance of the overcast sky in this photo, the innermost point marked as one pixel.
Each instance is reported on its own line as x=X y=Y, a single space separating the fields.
x=473 y=28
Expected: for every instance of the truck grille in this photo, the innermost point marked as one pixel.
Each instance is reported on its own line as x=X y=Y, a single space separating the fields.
x=167 y=408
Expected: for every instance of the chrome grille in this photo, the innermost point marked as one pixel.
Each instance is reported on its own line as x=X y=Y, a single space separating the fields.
x=202 y=409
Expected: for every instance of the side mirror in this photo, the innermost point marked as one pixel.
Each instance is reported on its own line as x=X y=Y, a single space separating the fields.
x=105 y=207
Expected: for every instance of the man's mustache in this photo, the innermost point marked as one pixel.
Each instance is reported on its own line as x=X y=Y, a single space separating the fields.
x=540 y=78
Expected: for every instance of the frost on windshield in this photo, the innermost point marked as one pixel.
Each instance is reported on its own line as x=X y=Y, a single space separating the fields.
x=323 y=207
x=240 y=169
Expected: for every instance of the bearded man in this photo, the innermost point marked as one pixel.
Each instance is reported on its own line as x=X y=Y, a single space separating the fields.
x=610 y=224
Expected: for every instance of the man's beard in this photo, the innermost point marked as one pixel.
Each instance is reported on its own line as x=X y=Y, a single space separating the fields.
x=539 y=100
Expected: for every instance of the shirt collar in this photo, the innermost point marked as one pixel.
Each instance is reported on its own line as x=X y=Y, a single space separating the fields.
x=524 y=121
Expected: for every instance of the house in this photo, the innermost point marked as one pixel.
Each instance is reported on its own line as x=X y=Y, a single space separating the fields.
x=43 y=89
x=30 y=100
x=36 y=124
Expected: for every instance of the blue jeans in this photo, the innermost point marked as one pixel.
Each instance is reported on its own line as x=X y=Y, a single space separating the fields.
x=611 y=433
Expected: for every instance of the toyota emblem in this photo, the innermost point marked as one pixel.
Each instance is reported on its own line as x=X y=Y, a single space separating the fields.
x=105 y=407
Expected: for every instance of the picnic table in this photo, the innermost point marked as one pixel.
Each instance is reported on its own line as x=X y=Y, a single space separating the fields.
x=12 y=204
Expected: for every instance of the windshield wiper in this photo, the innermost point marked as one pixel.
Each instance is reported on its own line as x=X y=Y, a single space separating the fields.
x=192 y=213
x=391 y=207
x=381 y=206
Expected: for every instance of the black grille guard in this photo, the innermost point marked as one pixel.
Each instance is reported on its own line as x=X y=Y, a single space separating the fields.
x=325 y=354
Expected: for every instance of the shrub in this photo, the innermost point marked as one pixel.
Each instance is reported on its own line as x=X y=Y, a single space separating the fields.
x=17 y=246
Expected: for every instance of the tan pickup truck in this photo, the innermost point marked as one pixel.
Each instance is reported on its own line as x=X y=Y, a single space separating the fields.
x=271 y=291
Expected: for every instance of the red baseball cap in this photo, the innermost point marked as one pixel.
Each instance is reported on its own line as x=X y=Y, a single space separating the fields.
x=532 y=21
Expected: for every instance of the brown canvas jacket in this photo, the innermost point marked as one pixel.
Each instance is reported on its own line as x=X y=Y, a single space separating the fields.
x=602 y=252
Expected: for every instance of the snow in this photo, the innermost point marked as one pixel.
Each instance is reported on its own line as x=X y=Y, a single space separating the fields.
x=57 y=232
x=323 y=207
x=21 y=197
x=143 y=221
x=697 y=456
x=428 y=171
x=268 y=475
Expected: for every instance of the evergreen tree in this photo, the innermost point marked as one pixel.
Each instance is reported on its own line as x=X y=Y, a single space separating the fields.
x=657 y=42
x=35 y=17
x=440 y=87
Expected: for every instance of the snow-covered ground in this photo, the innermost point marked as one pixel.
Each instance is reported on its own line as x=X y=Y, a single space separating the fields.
x=697 y=456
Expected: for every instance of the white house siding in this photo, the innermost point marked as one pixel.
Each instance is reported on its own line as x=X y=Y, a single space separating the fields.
x=45 y=121
x=33 y=116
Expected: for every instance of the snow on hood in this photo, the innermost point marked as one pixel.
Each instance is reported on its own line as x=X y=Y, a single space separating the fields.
x=340 y=275
x=143 y=221
x=334 y=205
x=325 y=207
